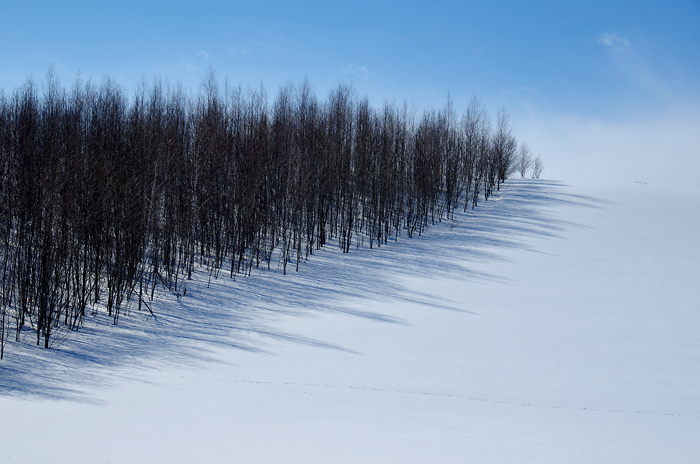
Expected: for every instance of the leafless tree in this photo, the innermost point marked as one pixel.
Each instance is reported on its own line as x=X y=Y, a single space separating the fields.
x=524 y=162
x=537 y=167
x=504 y=148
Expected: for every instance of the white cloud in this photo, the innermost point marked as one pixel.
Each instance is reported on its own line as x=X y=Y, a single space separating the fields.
x=355 y=70
x=614 y=42
x=203 y=54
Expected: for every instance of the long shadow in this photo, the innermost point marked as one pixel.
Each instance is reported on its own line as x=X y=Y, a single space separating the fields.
x=244 y=312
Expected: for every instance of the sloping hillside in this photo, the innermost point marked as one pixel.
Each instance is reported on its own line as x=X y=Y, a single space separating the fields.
x=555 y=323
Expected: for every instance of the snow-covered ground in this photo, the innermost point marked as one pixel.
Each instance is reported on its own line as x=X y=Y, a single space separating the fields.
x=557 y=323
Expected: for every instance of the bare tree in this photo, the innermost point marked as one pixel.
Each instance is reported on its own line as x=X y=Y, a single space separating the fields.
x=504 y=148
x=537 y=167
x=524 y=161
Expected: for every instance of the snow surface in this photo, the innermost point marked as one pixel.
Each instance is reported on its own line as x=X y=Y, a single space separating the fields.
x=557 y=323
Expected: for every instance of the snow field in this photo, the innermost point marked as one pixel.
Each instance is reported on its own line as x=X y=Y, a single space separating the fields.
x=557 y=323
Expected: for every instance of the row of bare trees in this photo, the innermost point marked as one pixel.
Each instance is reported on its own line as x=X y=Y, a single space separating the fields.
x=104 y=197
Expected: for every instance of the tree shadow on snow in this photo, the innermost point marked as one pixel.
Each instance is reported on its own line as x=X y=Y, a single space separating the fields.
x=244 y=312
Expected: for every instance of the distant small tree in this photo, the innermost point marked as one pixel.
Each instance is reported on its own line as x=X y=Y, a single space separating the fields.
x=524 y=159
x=537 y=167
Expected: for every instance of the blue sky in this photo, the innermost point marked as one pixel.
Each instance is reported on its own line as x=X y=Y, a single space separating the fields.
x=568 y=72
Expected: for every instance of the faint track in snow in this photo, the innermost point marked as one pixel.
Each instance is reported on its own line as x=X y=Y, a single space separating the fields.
x=442 y=395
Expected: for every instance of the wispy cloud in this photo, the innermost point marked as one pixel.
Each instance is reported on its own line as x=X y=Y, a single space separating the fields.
x=356 y=70
x=203 y=54
x=614 y=42
x=642 y=73
x=243 y=51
